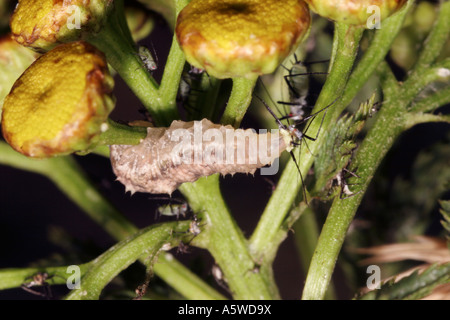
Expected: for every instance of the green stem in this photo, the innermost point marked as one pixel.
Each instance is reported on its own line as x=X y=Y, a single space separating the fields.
x=123 y=57
x=433 y=102
x=306 y=233
x=417 y=81
x=146 y=244
x=206 y=101
x=372 y=151
x=373 y=56
x=239 y=101
x=413 y=119
x=436 y=39
x=177 y=276
x=378 y=141
x=14 y=278
x=122 y=134
x=226 y=241
x=290 y=182
x=173 y=69
x=171 y=80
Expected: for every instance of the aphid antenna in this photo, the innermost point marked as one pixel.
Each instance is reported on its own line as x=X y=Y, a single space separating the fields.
x=169 y=198
x=154 y=52
x=298 y=62
x=282 y=126
x=289 y=84
x=307 y=63
x=299 y=134
x=273 y=103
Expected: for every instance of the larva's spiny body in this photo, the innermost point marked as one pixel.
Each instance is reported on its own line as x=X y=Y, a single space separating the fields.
x=156 y=166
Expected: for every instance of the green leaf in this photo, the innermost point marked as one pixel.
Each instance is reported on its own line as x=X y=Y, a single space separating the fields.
x=445 y=211
x=338 y=148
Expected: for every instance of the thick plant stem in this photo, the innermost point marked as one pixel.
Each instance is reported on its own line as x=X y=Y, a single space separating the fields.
x=225 y=241
x=168 y=90
x=239 y=101
x=115 y=41
x=171 y=79
x=372 y=151
x=178 y=276
x=67 y=175
x=306 y=233
x=376 y=144
x=390 y=123
x=290 y=182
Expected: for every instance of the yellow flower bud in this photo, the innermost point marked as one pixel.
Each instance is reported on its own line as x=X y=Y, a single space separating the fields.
x=355 y=12
x=44 y=24
x=60 y=103
x=230 y=38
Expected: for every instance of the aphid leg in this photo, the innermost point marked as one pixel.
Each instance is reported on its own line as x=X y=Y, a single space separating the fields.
x=289 y=83
x=141 y=290
x=301 y=177
x=39 y=279
x=182 y=247
x=273 y=186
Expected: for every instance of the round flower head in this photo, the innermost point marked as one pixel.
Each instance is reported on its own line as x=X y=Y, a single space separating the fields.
x=60 y=103
x=355 y=12
x=235 y=38
x=44 y=24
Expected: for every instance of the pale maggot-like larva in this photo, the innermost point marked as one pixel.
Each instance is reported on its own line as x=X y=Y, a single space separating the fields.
x=186 y=151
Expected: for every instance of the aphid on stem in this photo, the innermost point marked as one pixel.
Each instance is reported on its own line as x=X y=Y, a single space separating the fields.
x=341 y=181
x=194 y=230
x=179 y=208
x=296 y=135
x=150 y=63
x=39 y=279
